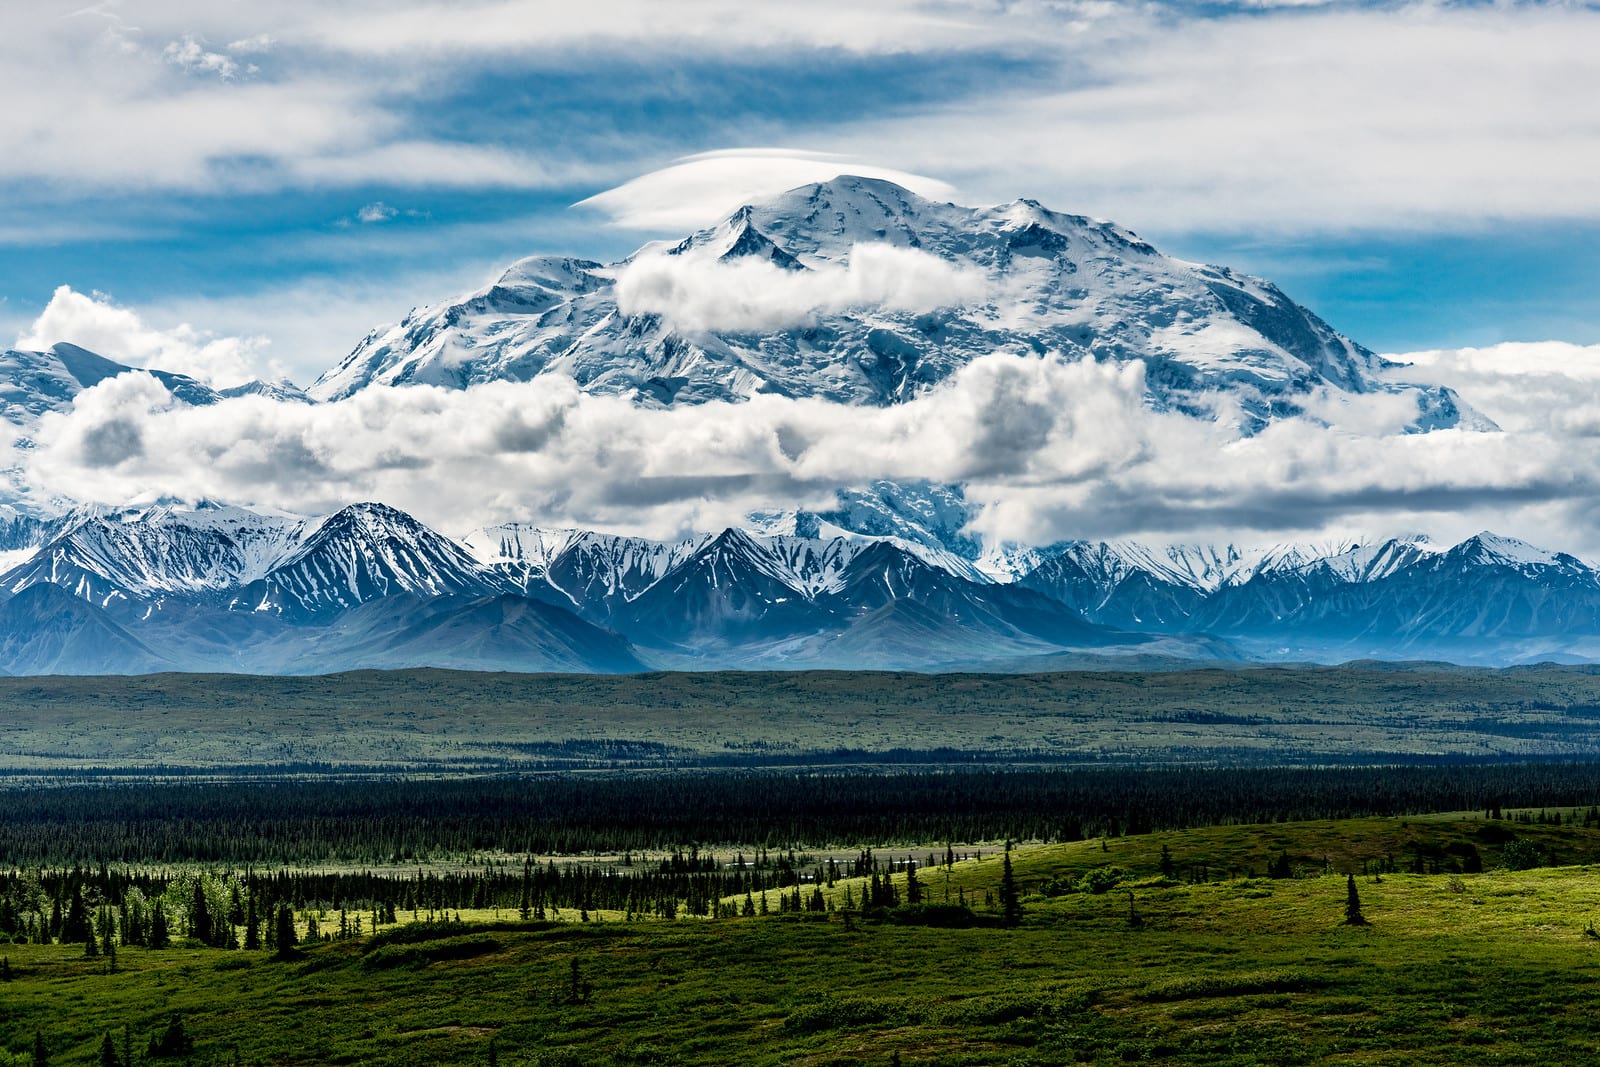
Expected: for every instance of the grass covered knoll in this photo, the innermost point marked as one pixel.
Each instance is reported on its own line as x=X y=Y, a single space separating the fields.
x=1203 y=963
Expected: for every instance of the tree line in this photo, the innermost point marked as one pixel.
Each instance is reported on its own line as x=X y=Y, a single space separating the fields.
x=403 y=821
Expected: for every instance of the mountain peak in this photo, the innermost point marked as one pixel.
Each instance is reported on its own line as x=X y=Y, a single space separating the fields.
x=1073 y=287
x=1487 y=546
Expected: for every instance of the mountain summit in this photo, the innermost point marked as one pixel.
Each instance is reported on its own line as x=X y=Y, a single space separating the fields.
x=1032 y=281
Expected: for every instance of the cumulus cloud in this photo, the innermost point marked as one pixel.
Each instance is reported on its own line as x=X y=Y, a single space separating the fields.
x=699 y=293
x=377 y=211
x=699 y=190
x=1047 y=450
x=93 y=321
x=1521 y=386
x=191 y=54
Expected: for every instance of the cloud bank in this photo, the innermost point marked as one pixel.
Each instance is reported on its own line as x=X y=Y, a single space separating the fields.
x=1048 y=450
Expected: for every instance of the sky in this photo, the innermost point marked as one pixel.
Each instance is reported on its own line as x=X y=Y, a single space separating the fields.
x=235 y=190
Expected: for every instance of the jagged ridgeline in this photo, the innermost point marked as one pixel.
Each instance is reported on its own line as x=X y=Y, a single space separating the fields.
x=221 y=589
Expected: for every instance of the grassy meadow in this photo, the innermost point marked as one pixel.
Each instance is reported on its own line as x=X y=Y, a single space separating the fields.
x=1165 y=947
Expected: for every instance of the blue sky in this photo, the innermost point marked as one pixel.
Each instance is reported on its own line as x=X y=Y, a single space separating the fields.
x=296 y=173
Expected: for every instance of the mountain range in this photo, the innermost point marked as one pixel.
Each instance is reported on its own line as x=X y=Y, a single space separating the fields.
x=220 y=588
x=889 y=576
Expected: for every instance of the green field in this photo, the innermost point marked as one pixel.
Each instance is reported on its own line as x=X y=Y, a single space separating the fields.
x=448 y=722
x=1210 y=963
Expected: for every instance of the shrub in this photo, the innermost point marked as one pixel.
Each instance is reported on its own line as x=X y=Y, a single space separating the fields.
x=1521 y=855
x=835 y=1013
x=420 y=955
x=1231 y=985
x=1101 y=879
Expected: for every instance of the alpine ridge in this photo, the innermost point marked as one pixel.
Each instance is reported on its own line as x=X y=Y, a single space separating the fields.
x=223 y=588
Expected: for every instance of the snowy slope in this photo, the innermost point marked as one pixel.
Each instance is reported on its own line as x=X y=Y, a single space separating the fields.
x=149 y=554
x=363 y=553
x=32 y=383
x=1053 y=283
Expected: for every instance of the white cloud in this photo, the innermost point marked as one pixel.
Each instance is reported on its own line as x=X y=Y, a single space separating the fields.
x=1047 y=449
x=1294 y=116
x=497 y=27
x=1420 y=116
x=1524 y=387
x=190 y=53
x=376 y=211
x=699 y=190
x=92 y=321
x=699 y=293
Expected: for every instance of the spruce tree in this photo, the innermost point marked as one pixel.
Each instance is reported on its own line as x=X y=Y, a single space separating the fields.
x=252 y=925
x=913 y=887
x=1010 y=898
x=108 y=1053
x=5 y=968
x=41 y=1058
x=75 y=927
x=160 y=937
x=200 y=926
x=286 y=936
x=1352 y=905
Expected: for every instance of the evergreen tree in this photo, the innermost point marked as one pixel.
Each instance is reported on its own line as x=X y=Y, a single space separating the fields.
x=1352 y=905
x=108 y=1053
x=160 y=937
x=913 y=887
x=252 y=925
x=91 y=947
x=75 y=927
x=200 y=925
x=1167 y=868
x=286 y=937
x=5 y=968
x=41 y=1058
x=173 y=1041
x=1010 y=898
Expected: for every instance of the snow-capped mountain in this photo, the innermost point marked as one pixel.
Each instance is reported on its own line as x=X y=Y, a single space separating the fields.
x=32 y=383
x=1051 y=284
x=366 y=552
x=149 y=554
x=220 y=588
